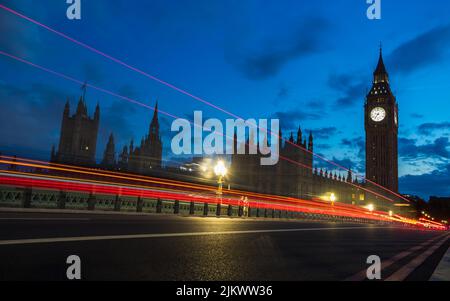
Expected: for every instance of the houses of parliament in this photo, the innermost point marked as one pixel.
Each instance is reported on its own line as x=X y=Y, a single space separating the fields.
x=294 y=176
x=78 y=143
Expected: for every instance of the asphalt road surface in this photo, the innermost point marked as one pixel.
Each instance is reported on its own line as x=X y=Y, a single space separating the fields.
x=35 y=246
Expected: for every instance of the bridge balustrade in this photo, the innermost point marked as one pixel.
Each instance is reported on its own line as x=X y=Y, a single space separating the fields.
x=54 y=199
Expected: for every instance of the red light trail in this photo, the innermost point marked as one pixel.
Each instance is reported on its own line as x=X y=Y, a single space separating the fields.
x=182 y=91
x=145 y=180
x=142 y=180
x=26 y=180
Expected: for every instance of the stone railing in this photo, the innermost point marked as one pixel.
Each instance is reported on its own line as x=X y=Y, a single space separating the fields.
x=47 y=199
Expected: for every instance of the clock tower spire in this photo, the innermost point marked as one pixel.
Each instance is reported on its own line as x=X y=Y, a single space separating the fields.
x=381 y=125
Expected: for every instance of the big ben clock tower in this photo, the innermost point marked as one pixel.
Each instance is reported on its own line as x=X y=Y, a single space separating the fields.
x=381 y=125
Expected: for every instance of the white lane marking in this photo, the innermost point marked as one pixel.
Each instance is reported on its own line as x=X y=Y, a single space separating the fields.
x=43 y=219
x=406 y=270
x=160 y=235
x=361 y=275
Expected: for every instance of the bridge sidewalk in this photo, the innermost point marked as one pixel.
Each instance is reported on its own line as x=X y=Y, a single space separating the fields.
x=442 y=272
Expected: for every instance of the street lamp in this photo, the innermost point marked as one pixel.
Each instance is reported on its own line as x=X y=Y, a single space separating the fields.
x=391 y=213
x=221 y=171
x=332 y=199
x=370 y=207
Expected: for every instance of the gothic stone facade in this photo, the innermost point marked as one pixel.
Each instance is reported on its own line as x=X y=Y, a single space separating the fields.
x=381 y=125
x=78 y=140
x=294 y=175
x=148 y=155
x=78 y=143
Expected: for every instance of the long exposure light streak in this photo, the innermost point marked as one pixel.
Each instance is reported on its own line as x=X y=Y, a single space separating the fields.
x=95 y=187
x=164 y=113
x=306 y=204
x=164 y=183
x=17 y=161
x=182 y=91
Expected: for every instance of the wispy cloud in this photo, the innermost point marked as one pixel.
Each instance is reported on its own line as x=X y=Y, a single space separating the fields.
x=356 y=144
x=290 y=120
x=429 y=128
x=351 y=88
x=424 y=185
x=410 y=150
x=324 y=133
x=425 y=49
x=272 y=54
x=31 y=116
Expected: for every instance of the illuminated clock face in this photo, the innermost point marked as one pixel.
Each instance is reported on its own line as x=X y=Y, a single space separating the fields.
x=378 y=114
x=395 y=118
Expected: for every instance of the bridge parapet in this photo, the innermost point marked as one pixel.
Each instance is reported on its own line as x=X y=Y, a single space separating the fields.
x=56 y=199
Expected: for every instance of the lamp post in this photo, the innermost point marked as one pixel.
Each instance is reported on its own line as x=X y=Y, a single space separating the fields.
x=221 y=171
x=332 y=199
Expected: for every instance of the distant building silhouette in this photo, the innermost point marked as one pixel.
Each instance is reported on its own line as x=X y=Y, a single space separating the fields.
x=381 y=125
x=109 y=156
x=148 y=155
x=78 y=139
x=294 y=175
x=286 y=178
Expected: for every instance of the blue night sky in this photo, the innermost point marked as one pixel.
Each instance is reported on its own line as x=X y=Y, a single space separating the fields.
x=308 y=63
